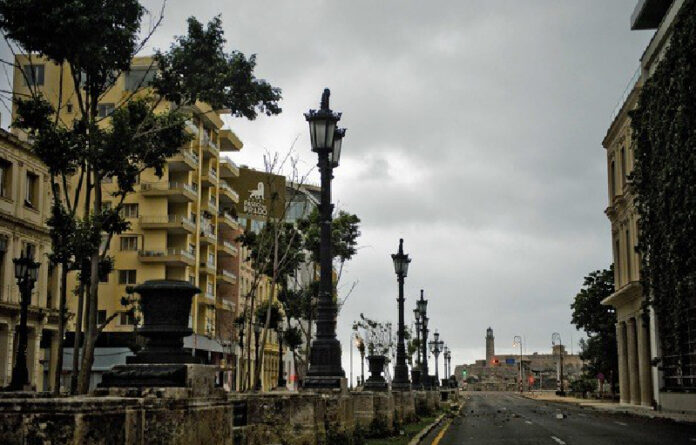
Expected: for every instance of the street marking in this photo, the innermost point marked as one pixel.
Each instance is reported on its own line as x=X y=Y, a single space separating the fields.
x=558 y=441
x=527 y=421
x=621 y=423
x=439 y=437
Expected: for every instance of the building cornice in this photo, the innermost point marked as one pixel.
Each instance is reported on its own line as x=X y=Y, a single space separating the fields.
x=623 y=295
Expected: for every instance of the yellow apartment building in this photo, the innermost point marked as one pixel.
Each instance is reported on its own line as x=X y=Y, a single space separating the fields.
x=25 y=205
x=176 y=220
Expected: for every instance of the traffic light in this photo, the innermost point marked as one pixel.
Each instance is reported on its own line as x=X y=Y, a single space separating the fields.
x=464 y=373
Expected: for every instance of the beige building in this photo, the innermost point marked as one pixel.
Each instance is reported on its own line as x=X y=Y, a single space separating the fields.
x=640 y=382
x=24 y=208
x=182 y=224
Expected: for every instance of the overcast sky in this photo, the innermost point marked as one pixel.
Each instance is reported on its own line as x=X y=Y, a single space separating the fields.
x=474 y=132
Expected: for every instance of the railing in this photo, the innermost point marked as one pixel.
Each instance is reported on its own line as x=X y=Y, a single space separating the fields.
x=229 y=161
x=190 y=156
x=212 y=173
x=209 y=233
x=209 y=295
x=164 y=186
x=627 y=92
x=226 y=273
x=192 y=127
x=230 y=246
x=167 y=219
x=171 y=251
x=680 y=372
x=213 y=145
x=226 y=187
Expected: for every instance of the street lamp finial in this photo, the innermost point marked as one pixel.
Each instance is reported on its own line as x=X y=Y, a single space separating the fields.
x=325 y=99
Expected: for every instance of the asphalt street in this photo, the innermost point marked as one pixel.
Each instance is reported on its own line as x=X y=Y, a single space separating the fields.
x=507 y=418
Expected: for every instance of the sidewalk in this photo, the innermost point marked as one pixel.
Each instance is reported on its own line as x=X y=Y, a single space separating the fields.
x=613 y=407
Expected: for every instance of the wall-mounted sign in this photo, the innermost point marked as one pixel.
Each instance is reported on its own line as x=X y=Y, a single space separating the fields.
x=255 y=204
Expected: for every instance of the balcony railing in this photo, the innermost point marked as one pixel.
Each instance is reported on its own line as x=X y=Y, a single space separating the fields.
x=167 y=219
x=169 y=252
x=166 y=186
x=190 y=126
x=227 y=274
x=230 y=246
x=212 y=173
x=225 y=187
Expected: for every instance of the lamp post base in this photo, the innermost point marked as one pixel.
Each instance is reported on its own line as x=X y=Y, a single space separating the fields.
x=326 y=382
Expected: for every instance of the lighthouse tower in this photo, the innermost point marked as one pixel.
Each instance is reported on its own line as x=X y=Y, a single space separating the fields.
x=490 y=346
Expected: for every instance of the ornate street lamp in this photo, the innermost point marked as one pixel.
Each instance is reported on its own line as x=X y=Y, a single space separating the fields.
x=325 y=369
x=415 y=370
x=26 y=273
x=436 y=349
x=401 y=262
x=556 y=341
x=422 y=306
x=240 y=342
x=281 y=366
x=517 y=341
x=448 y=360
x=257 y=334
x=444 y=361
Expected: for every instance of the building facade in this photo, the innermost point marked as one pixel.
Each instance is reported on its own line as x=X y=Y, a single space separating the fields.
x=25 y=206
x=176 y=221
x=641 y=381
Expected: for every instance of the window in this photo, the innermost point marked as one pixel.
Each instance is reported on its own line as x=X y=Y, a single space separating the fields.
x=101 y=316
x=126 y=318
x=5 y=178
x=628 y=255
x=32 y=191
x=612 y=180
x=104 y=110
x=617 y=260
x=129 y=243
x=29 y=249
x=140 y=77
x=106 y=205
x=192 y=280
x=107 y=179
x=130 y=211
x=69 y=107
x=210 y=288
x=126 y=276
x=192 y=249
x=34 y=74
x=624 y=171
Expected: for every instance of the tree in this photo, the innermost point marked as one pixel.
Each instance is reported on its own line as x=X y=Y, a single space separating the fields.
x=664 y=180
x=598 y=322
x=94 y=42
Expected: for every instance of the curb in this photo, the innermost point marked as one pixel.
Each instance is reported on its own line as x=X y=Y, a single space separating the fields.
x=653 y=415
x=425 y=431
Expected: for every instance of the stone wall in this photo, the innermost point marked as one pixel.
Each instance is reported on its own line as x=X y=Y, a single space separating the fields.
x=161 y=416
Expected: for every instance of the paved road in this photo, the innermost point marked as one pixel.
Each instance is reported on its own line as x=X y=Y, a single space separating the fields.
x=507 y=418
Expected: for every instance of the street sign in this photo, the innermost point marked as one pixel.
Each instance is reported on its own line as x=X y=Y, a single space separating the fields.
x=509 y=361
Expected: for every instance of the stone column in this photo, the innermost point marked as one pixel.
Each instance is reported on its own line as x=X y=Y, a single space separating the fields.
x=633 y=370
x=644 y=362
x=624 y=388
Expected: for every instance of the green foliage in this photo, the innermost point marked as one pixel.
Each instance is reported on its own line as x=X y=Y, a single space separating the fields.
x=197 y=68
x=598 y=322
x=664 y=180
x=95 y=37
x=583 y=386
x=261 y=310
x=345 y=231
x=292 y=338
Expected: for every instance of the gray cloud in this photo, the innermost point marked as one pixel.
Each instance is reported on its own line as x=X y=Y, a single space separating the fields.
x=474 y=132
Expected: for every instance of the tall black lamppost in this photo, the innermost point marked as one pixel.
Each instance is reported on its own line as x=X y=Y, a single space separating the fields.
x=325 y=370
x=239 y=374
x=281 y=366
x=416 y=369
x=448 y=362
x=436 y=348
x=444 y=361
x=257 y=334
x=556 y=341
x=26 y=272
x=422 y=306
x=401 y=262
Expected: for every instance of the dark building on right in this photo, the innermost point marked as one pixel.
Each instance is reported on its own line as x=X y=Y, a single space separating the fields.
x=647 y=376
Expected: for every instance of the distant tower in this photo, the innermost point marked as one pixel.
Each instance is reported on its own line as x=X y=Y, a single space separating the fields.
x=490 y=346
